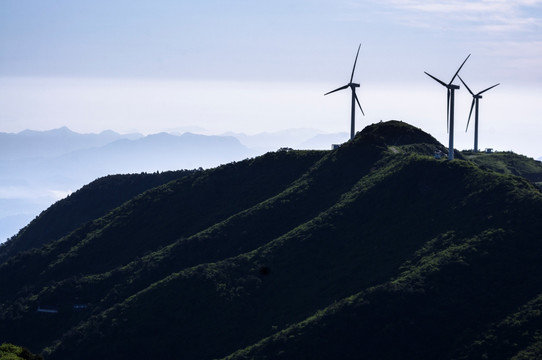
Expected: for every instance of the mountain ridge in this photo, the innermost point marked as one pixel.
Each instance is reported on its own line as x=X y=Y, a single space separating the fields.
x=55 y=142
x=46 y=165
x=294 y=254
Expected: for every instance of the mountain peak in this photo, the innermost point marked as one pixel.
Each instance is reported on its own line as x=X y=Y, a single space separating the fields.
x=61 y=131
x=397 y=133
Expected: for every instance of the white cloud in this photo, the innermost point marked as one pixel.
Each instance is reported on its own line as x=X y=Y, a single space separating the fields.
x=509 y=48
x=486 y=15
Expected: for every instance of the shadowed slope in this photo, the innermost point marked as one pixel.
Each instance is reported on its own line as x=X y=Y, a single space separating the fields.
x=90 y=202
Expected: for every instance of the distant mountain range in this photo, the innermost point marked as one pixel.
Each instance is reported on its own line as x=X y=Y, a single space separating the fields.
x=375 y=250
x=39 y=167
x=52 y=143
x=308 y=139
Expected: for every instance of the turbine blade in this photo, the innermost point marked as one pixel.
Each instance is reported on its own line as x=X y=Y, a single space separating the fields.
x=471 y=107
x=457 y=72
x=448 y=113
x=437 y=80
x=341 y=88
x=489 y=88
x=466 y=85
x=354 y=93
x=355 y=61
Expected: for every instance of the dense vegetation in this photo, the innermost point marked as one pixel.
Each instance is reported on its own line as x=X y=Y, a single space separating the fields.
x=509 y=163
x=90 y=202
x=13 y=352
x=374 y=250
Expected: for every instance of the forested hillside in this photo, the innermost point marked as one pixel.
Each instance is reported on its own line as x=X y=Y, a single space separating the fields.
x=375 y=250
x=509 y=163
x=88 y=203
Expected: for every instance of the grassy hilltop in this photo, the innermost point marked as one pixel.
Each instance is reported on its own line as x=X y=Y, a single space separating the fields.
x=375 y=250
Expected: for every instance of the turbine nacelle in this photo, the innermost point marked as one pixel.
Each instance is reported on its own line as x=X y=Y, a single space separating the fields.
x=450 y=89
x=352 y=86
x=474 y=105
x=479 y=95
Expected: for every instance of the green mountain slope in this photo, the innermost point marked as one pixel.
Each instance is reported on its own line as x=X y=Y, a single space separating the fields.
x=13 y=352
x=509 y=163
x=84 y=266
x=90 y=202
x=374 y=250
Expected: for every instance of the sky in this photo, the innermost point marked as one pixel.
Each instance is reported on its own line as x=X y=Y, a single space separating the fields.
x=216 y=66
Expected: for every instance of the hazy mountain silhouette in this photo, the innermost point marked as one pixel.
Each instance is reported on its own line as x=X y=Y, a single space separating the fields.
x=323 y=141
x=291 y=138
x=51 y=143
x=157 y=152
x=38 y=168
x=374 y=250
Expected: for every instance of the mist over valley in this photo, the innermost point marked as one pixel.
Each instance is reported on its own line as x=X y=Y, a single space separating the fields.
x=41 y=167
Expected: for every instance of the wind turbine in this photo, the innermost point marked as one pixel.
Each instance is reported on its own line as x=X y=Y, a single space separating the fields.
x=352 y=86
x=475 y=98
x=450 y=107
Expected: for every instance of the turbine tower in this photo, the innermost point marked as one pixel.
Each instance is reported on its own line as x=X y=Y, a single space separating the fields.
x=475 y=98
x=450 y=107
x=352 y=86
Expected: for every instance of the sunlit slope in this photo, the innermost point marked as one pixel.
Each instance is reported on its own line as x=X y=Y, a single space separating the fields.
x=509 y=163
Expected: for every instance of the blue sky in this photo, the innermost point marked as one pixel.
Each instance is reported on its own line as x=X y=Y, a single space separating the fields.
x=253 y=66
